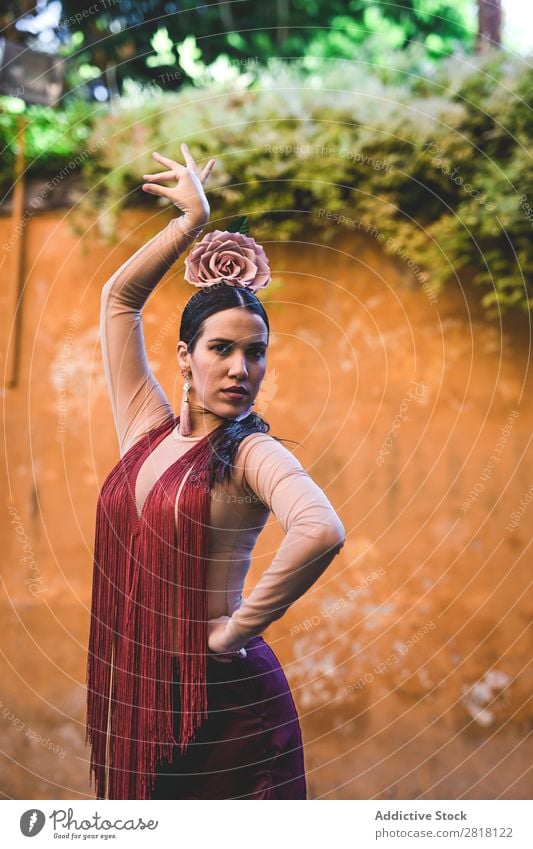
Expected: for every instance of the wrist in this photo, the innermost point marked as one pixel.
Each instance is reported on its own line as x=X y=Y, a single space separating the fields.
x=235 y=637
x=195 y=220
x=192 y=226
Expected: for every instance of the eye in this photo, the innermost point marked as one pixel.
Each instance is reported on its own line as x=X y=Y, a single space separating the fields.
x=257 y=353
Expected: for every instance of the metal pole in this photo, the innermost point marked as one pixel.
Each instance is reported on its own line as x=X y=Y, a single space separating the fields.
x=15 y=281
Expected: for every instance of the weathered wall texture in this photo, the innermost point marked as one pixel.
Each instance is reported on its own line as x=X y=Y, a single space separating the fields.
x=408 y=659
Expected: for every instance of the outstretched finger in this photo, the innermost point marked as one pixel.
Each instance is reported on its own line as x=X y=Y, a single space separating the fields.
x=155 y=189
x=168 y=162
x=188 y=158
x=161 y=175
x=207 y=170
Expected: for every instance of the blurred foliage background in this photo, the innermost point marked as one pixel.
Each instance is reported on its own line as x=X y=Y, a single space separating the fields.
x=382 y=113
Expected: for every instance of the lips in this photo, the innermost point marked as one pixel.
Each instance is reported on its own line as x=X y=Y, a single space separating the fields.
x=235 y=390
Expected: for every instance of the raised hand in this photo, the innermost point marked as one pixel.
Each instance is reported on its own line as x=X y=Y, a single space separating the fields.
x=188 y=192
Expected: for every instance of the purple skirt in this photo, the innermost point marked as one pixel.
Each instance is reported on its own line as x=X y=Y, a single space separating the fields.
x=250 y=744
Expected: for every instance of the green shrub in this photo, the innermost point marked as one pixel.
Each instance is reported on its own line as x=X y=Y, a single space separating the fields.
x=436 y=157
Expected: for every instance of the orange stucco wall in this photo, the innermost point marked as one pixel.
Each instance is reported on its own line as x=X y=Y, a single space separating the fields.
x=408 y=659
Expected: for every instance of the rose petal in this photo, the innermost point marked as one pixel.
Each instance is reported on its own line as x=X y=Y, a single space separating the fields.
x=222 y=255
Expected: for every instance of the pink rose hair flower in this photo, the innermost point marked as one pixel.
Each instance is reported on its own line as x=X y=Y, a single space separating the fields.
x=231 y=257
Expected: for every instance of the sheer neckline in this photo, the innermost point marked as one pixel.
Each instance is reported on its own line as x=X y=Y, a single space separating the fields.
x=178 y=436
x=146 y=459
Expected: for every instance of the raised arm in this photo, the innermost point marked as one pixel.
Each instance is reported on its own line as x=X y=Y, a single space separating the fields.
x=137 y=399
x=314 y=535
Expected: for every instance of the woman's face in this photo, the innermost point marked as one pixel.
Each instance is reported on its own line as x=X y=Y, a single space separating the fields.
x=231 y=351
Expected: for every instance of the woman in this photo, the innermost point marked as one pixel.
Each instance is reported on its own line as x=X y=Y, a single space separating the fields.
x=185 y=699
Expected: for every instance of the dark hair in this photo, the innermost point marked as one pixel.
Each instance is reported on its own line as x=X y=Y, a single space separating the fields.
x=204 y=303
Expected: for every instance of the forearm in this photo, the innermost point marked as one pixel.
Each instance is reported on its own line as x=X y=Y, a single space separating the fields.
x=131 y=285
x=300 y=561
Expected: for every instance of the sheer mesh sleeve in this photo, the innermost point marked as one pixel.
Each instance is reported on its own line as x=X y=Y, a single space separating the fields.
x=314 y=534
x=138 y=401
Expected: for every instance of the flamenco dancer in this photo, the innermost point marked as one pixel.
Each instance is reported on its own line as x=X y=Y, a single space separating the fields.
x=185 y=698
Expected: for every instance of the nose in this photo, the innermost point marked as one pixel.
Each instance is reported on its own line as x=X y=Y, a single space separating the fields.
x=237 y=367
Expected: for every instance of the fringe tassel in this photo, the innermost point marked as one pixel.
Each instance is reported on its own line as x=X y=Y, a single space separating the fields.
x=192 y=613
x=185 y=419
x=139 y=565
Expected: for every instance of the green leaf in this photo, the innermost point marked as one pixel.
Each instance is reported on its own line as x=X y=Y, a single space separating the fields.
x=239 y=225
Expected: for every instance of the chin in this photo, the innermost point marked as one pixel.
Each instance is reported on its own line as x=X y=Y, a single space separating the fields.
x=230 y=407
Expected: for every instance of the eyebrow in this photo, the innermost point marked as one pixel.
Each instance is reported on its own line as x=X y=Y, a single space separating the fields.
x=232 y=340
